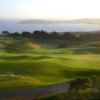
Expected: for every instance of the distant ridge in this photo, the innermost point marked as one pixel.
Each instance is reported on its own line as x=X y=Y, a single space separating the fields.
x=95 y=21
x=40 y=22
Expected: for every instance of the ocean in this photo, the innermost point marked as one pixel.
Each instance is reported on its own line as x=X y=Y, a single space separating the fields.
x=12 y=26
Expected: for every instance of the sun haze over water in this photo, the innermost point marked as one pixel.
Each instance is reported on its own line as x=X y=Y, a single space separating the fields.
x=49 y=9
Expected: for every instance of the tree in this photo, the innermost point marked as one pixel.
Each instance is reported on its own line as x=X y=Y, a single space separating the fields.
x=5 y=33
x=67 y=36
x=26 y=34
x=40 y=34
x=54 y=35
x=16 y=34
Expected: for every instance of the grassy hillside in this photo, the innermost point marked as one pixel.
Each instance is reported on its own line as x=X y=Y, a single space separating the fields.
x=32 y=67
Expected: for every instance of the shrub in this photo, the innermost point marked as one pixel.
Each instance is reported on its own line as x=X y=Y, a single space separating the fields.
x=62 y=45
x=81 y=83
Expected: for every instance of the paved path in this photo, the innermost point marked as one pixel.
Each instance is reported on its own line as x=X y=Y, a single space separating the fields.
x=35 y=92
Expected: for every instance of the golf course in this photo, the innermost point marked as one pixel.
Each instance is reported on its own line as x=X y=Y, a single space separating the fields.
x=40 y=64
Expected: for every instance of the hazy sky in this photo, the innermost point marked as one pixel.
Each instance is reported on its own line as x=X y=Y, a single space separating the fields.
x=49 y=9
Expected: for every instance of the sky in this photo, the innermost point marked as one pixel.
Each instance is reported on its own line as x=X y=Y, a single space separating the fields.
x=49 y=9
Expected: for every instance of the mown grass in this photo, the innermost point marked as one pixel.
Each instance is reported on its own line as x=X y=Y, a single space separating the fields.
x=1 y=45
x=29 y=68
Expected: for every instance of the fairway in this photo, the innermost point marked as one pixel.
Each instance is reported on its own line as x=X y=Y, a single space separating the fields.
x=43 y=67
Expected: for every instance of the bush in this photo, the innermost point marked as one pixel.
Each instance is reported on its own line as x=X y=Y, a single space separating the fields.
x=62 y=45
x=81 y=83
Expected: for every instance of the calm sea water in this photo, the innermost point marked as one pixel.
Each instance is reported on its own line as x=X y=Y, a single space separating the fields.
x=15 y=27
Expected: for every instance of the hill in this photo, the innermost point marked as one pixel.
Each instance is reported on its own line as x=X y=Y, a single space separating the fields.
x=76 y=21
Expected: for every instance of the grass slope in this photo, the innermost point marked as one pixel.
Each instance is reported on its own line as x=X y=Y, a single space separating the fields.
x=42 y=67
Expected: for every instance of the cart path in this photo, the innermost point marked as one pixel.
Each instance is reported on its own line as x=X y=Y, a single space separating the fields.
x=35 y=92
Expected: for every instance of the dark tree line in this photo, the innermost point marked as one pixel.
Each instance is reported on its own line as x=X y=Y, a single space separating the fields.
x=71 y=36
